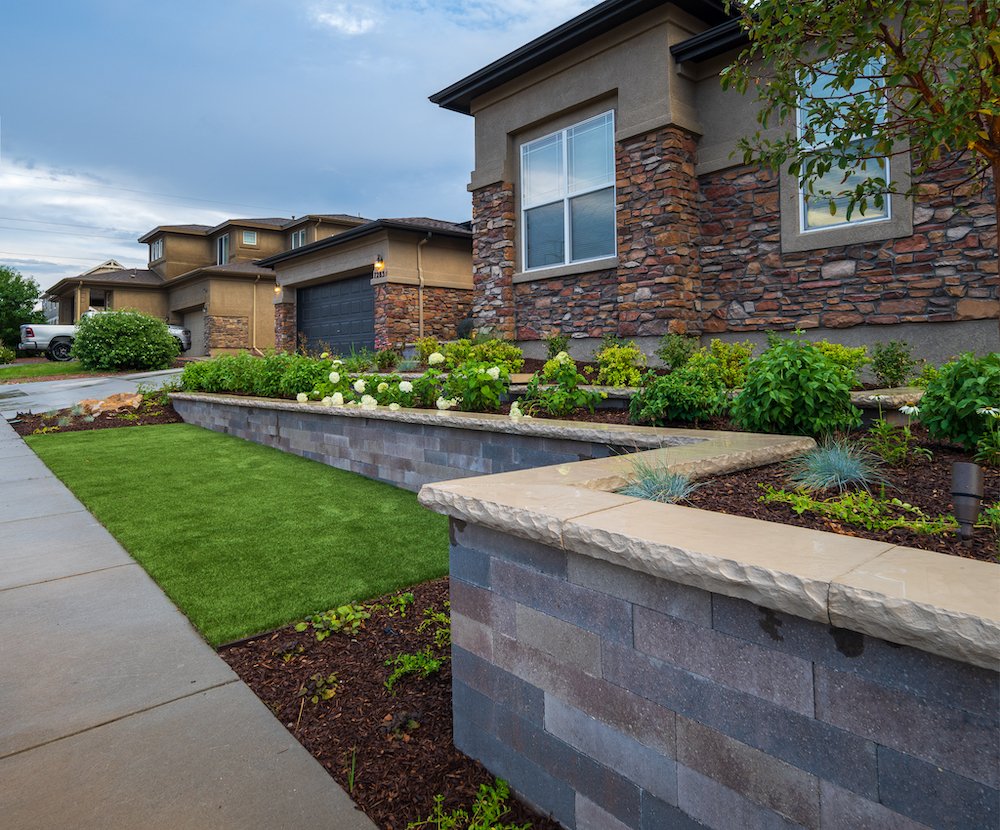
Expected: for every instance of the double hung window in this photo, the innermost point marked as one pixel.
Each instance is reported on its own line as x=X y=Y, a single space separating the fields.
x=222 y=249
x=298 y=238
x=568 y=195
x=156 y=249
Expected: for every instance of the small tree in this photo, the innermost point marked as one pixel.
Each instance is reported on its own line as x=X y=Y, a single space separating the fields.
x=18 y=295
x=872 y=78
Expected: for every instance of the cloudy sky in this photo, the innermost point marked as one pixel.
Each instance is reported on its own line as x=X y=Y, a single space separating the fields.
x=120 y=115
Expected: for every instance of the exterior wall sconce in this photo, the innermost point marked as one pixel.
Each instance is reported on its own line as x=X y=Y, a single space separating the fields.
x=966 y=496
x=379 y=265
x=277 y=288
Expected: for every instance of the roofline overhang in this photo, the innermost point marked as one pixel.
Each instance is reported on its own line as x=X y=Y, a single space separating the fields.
x=148 y=235
x=358 y=233
x=713 y=42
x=76 y=282
x=213 y=272
x=592 y=23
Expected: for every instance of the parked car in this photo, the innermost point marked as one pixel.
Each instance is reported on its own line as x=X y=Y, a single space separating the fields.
x=56 y=342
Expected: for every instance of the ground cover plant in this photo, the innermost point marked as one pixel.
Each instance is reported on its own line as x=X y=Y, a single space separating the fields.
x=244 y=538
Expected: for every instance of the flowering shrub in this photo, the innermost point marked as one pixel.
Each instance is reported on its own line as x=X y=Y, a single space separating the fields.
x=620 y=365
x=478 y=386
x=426 y=346
x=562 y=393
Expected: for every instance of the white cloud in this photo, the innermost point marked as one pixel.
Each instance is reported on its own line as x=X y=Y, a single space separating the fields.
x=344 y=19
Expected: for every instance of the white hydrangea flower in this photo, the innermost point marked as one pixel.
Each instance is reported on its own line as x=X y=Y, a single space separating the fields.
x=383 y=386
x=909 y=409
x=515 y=411
x=562 y=356
x=368 y=402
x=435 y=358
x=394 y=407
x=494 y=372
x=327 y=401
x=359 y=386
x=405 y=386
x=336 y=362
x=351 y=403
x=337 y=399
x=334 y=377
x=444 y=403
x=302 y=397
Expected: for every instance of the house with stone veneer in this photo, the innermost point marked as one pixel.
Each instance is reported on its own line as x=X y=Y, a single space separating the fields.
x=607 y=199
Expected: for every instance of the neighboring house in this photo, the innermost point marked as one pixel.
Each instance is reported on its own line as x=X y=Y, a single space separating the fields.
x=382 y=283
x=607 y=199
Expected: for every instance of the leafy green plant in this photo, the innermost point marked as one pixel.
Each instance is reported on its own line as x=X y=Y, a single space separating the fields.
x=620 y=365
x=457 y=352
x=498 y=352
x=425 y=347
x=556 y=343
x=793 y=388
x=655 y=482
x=675 y=349
x=949 y=406
x=859 y=507
x=319 y=687
x=397 y=605
x=488 y=811
x=687 y=395
x=479 y=386
x=360 y=360
x=928 y=373
x=116 y=340
x=893 y=444
x=731 y=360
x=439 y=624
x=424 y=663
x=892 y=363
x=386 y=359
x=7 y=354
x=988 y=447
x=836 y=464
x=851 y=359
x=348 y=618
x=45 y=430
x=556 y=389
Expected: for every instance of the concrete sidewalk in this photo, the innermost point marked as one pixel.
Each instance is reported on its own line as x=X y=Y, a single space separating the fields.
x=114 y=713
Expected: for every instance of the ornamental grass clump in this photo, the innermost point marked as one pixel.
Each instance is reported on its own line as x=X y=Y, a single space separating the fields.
x=836 y=465
x=795 y=389
x=655 y=482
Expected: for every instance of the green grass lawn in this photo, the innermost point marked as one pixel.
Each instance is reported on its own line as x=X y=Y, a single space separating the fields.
x=244 y=538
x=30 y=371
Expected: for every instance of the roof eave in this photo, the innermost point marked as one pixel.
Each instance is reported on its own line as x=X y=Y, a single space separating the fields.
x=709 y=44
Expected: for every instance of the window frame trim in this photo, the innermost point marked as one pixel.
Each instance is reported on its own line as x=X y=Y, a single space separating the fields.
x=224 y=239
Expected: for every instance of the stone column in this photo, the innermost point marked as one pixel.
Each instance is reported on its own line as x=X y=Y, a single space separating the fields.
x=493 y=258
x=284 y=321
x=659 y=279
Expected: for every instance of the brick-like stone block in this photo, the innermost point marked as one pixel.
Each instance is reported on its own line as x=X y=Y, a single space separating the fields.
x=591 y=817
x=590 y=610
x=483 y=606
x=764 y=780
x=469 y=565
x=840 y=808
x=672 y=598
x=935 y=679
x=494 y=683
x=472 y=635
x=534 y=555
x=720 y=808
x=950 y=738
x=933 y=796
x=780 y=678
x=813 y=746
x=651 y=770
x=560 y=640
x=658 y=815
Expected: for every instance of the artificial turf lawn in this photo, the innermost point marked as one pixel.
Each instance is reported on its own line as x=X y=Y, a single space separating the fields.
x=245 y=538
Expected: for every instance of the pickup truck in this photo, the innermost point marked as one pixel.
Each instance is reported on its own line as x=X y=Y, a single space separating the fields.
x=57 y=341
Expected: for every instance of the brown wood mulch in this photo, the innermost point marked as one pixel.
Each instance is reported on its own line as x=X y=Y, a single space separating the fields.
x=64 y=420
x=400 y=744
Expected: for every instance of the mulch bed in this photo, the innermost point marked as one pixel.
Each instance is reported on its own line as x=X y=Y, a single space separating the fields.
x=400 y=744
x=64 y=420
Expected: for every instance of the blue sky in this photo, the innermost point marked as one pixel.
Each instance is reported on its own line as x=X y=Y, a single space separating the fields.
x=120 y=115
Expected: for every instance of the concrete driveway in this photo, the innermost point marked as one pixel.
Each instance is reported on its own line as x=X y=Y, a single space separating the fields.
x=45 y=395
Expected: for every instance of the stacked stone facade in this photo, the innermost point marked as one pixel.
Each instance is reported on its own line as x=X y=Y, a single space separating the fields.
x=285 y=335
x=703 y=254
x=397 y=314
x=227 y=332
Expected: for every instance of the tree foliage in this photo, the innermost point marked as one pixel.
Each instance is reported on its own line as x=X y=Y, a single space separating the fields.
x=18 y=295
x=892 y=76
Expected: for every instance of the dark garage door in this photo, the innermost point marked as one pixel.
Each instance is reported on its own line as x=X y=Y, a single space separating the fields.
x=338 y=315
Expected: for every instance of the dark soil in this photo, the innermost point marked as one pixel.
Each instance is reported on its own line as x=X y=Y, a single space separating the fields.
x=400 y=744
x=64 y=420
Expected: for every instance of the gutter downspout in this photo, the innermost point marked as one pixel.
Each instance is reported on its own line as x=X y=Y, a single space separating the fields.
x=420 y=285
x=253 y=326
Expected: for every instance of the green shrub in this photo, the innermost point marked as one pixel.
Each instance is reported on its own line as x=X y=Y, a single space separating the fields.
x=730 y=359
x=948 y=407
x=687 y=395
x=620 y=364
x=928 y=372
x=561 y=393
x=426 y=346
x=456 y=352
x=359 y=360
x=498 y=352
x=835 y=464
x=794 y=388
x=271 y=376
x=892 y=363
x=7 y=354
x=851 y=359
x=478 y=386
x=386 y=359
x=675 y=349
x=116 y=340
x=556 y=343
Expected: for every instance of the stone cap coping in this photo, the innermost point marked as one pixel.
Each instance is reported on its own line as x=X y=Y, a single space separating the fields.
x=942 y=604
x=613 y=434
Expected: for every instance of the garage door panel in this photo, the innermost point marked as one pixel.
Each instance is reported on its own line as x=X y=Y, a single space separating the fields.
x=338 y=314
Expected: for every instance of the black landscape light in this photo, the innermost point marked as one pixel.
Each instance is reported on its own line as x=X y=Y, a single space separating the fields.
x=966 y=496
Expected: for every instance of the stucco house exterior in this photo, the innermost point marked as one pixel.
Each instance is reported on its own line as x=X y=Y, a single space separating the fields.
x=383 y=283
x=607 y=198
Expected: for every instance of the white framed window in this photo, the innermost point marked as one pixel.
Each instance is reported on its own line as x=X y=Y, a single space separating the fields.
x=298 y=238
x=156 y=249
x=814 y=211
x=568 y=195
x=249 y=237
x=222 y=249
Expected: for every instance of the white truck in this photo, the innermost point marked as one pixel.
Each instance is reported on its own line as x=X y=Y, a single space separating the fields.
x=56 y=342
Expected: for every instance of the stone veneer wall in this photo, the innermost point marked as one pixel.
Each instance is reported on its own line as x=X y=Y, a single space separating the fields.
x=612 y=699
x=493 y=258
x=285 y=335
x=397 y=319
x=945 y=271
x=581 y=304
x=227 y=332
x=408 y=455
